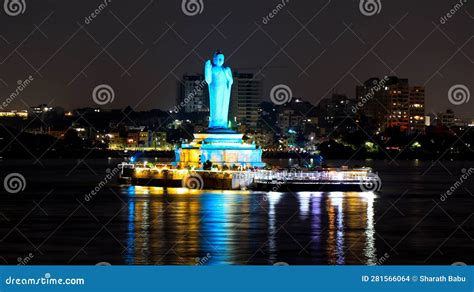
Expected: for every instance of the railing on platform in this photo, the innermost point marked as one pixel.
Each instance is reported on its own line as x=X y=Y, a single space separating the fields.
x=270 y=176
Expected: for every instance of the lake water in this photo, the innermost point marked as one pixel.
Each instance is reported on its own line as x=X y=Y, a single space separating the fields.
x=50 y=222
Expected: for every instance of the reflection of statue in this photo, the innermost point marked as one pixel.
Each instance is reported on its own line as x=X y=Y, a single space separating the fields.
x=219 y=80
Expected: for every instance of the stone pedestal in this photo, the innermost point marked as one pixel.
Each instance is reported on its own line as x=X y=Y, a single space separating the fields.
x=222 y=148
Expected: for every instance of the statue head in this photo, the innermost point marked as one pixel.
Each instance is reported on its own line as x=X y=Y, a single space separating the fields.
x=218 y=59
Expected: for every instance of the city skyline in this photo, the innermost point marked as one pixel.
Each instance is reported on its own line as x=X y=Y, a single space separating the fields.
x=237 y=133
x=192 y=98
x=155 y=44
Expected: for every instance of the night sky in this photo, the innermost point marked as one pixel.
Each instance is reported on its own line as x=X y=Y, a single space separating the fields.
x=315 y=47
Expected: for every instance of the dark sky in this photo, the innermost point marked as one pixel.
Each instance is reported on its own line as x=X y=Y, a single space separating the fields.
x=142 y=63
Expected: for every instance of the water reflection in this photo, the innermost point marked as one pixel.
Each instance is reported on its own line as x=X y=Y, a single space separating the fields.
x=317 y=228
x=369 y=250
x=304 y=204
x=335 y=242
x=273 y=199
x=215 y=227
x=189 y=228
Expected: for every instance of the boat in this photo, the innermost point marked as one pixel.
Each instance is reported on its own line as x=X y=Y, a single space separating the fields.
x=282 y=180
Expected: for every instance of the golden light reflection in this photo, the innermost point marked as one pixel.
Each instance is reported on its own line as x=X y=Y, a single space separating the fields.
x=348 y=214
x=336 y=253
x=178 y=226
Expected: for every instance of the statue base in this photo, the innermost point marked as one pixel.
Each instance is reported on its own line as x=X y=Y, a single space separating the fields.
x=223 y=147
x=220 y=131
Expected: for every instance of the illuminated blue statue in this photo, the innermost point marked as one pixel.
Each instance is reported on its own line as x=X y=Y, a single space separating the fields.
x=219 y=146
x=219 y=79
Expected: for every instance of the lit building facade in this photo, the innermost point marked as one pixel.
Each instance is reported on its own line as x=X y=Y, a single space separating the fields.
x=398 y=104
x=246 y=99
x=416 y=109
x=42 y=108
x=14 y=114
x=193 y=97
x=336 y=113
x=392 y=103
x=447 y=118
x=289 y=119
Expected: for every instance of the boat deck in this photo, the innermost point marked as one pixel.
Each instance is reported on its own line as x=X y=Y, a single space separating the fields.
x=327 y=179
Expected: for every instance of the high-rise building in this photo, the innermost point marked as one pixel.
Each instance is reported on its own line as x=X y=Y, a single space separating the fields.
x=194 y=95
x=371 y=104
x=398 y=104
x=391 y=103
x=416 y=109
x=446 y=118
x=290 y=119
x=336 y=113
x=246 y=99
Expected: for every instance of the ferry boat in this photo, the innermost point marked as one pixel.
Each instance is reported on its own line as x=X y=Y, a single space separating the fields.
x=282 y=180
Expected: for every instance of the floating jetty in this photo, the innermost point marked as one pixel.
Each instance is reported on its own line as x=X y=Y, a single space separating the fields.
x=282 y=180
